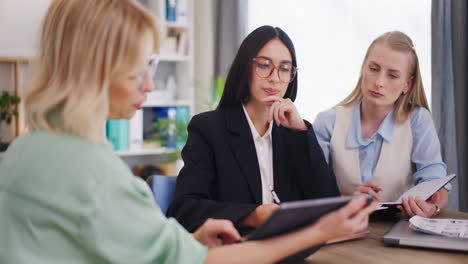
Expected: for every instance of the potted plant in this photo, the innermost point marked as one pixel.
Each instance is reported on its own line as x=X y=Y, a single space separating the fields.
x=7 y=112
x=170 y=133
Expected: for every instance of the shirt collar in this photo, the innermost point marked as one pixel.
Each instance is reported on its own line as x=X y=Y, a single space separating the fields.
x=355 y=139
x=254 y=131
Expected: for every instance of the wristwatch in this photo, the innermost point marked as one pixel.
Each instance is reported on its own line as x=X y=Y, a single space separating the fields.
x=437 y=209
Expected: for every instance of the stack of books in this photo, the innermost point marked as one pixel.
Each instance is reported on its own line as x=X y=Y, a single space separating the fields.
x=176 y=11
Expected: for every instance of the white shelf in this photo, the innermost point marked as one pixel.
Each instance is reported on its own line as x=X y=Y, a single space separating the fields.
x=158 y=103
x=177 y=25
x=145 y=152
x=174 y=58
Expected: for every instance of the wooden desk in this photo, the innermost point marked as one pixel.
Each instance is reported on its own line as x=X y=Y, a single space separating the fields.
x=371 y=249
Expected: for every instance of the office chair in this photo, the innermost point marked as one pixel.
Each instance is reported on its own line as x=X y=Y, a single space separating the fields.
x=163 y=188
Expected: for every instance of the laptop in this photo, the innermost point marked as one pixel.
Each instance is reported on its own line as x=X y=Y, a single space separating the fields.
x=402 y=235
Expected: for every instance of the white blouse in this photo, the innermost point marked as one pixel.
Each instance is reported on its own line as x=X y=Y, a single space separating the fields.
x=264 y=148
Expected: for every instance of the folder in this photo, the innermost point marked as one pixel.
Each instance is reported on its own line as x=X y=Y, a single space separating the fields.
x=424 y=190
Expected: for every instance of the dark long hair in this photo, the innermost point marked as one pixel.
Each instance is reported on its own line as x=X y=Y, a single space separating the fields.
x=236 y=88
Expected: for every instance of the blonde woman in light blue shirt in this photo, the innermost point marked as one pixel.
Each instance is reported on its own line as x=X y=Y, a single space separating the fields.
x=381 y=139
x=67 y=197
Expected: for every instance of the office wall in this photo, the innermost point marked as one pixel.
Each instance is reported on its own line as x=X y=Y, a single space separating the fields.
x=19 y=23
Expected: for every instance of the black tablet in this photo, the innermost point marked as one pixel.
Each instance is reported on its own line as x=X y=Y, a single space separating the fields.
x=294 y=215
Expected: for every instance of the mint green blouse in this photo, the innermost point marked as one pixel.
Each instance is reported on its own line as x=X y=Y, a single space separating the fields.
x=66 y=200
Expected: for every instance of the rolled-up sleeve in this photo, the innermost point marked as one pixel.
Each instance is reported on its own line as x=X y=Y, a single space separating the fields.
x=426 y=154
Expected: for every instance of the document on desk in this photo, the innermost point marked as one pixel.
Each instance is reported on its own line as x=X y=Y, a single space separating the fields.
x=443 y=227
x=424 y=190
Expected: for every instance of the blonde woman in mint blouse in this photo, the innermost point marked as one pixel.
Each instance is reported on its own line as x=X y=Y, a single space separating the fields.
x=66 y=197
x=381 y=139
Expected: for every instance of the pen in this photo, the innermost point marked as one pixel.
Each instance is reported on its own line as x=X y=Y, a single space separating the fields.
x=275 y=197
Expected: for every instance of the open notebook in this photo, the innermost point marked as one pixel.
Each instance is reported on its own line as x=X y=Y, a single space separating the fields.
x=424 y=190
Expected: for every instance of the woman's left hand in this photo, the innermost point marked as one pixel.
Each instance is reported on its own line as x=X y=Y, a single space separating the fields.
x=284 y=112
x=417 y=206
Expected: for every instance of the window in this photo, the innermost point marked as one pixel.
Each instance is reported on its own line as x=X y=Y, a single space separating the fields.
x=331 y=38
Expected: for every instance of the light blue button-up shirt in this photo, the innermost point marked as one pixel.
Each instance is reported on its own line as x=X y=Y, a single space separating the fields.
x=425 y=155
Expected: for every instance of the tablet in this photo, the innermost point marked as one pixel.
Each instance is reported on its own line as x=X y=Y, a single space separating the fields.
x=294 y=215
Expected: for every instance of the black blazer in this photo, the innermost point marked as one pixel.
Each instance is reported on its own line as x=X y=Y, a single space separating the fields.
x=221 y=176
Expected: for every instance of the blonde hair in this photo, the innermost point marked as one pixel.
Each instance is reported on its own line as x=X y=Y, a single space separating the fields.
x=415 y=97
x=84 y=46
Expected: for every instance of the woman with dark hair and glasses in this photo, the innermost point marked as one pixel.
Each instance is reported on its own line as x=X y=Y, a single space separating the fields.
x=254 y=150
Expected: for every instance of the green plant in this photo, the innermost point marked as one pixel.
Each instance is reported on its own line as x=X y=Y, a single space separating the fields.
x=216 y=89
x=170 y=133
x=7 y=108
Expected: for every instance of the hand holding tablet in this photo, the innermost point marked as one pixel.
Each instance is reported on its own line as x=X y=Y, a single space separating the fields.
x=292 y=216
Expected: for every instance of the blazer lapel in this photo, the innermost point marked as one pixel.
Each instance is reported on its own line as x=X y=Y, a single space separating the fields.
x=242 y=145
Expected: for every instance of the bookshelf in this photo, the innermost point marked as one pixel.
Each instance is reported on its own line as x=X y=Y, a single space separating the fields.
x=174 y=78
x=176 y=60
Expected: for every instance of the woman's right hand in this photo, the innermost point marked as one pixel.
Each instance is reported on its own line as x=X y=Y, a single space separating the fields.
x=370 y=188
x=216 y=232
x=259 y=215
x=347 y=220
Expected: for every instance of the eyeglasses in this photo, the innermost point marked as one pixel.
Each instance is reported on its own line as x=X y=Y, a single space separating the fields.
x=264 y=67
x=150 y=70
